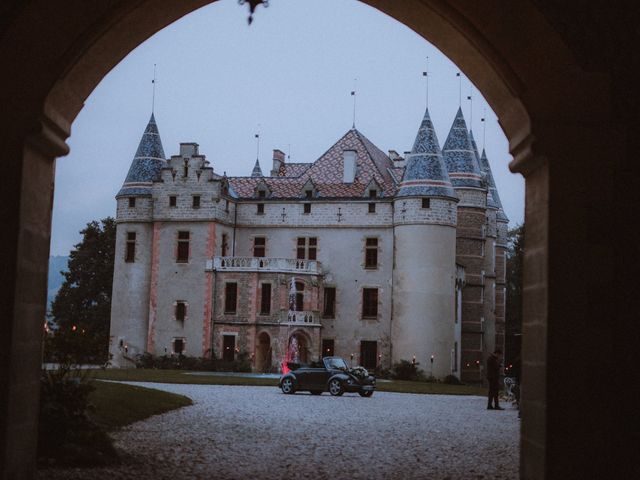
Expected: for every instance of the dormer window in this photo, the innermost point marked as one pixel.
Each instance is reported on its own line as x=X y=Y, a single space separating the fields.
x=262 y=194
x=373 y=193
x=308 y=194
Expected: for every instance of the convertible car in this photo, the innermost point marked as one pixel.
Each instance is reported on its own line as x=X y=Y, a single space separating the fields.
x=332 y=375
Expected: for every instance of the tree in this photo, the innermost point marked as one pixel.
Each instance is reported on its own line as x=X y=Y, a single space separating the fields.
x=513 y=320
x=82 y=307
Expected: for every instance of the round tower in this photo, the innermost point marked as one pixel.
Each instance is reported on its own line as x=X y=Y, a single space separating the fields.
x=133 y=266
x=423 y=325
x=467 y=181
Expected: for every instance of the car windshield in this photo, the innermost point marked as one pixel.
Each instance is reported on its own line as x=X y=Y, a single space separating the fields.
x=337 y=363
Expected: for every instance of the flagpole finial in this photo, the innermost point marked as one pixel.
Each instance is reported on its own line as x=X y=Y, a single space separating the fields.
x=425 y=74
x=484 y=127
x=459 y=89
x=153 y=94
x=353 y=94
x=257 y=137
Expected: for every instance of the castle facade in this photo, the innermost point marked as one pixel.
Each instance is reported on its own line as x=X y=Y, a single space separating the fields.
x=372 y=256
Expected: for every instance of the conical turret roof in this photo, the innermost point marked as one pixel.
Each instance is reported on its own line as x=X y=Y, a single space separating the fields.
x=493 y=190
x=257 y=171
x=425 y=172
x=459 y=156
x=146 y=164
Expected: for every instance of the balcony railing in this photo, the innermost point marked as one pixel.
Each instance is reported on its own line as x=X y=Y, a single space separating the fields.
x=302 y=317
x=266 y=264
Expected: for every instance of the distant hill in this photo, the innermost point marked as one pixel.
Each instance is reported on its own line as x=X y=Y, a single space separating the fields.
x=57 y=264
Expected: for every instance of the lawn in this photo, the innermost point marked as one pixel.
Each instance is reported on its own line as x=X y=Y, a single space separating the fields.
x=117 y=404
x=181 y=376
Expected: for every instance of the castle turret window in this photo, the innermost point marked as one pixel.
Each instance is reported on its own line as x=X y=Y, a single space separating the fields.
x=196 y=201
x=181 y=311
x=371 y=253
x=369 y=303
x=230 y=297
x=224 y=246
x=260 y=209
x=130 y=254
x=329 y=310
x=307 y=208
x=183 y=247
x=173 y=200
x=259 y=246
x=426 y=203
x=372 y=208
x=132 y=202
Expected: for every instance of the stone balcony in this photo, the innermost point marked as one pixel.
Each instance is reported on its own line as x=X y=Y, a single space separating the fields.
x=264 y=264
x=302 y=318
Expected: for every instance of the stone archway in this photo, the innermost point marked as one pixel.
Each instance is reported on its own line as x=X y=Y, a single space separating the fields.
x=264 y=353
x=550 y=72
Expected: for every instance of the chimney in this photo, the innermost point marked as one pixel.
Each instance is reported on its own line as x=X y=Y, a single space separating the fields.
x=278 y=161
x=188 y=149
x=349 y=166
x=397 y=160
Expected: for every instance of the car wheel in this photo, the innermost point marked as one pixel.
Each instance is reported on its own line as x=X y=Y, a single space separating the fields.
x=316 y=392
x=366 y=394
x=335 y=387
x=287 y=386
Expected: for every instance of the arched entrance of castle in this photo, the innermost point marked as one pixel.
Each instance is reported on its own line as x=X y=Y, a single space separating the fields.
x=533 y=82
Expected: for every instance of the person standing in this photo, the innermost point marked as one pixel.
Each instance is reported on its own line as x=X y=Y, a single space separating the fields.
x=493 y=376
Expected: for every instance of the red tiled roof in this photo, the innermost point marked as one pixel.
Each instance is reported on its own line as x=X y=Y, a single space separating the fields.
x=327 y=173
x=397 y=173
x=293 y=169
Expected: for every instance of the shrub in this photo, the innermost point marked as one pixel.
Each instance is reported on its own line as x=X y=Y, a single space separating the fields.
x=66 y=434
x=452 y=380
x=182 y=362
x=406 y=370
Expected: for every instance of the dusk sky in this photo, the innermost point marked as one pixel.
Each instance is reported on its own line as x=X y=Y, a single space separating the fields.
x=288 y=76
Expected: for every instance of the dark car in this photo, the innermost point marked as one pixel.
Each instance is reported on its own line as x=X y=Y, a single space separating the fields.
x=332 y=375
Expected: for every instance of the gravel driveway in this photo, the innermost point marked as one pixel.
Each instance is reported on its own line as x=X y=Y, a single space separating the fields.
x=258 y=433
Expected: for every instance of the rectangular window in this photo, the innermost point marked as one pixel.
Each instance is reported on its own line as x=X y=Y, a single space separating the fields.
x=224 y=246
x=228 y=348
x=371 y=253
x=265 y=300
x=262 y=194
x=230 y=297
x=181 y=311
x=132 y=202
x=426 y=203
x=178 y=346
x=329 y=310
x=372 y=208
x=260 y=209
x=307 y=208
x=173 y=200
x=130 y=255
x=369 y=354
x=307 y=248
x=196 y=201
x=226 y=206
x=308 y=194
x=328 y=348
x=373 y=193
x=183 y=247
x=369 y=303
x=259 y=246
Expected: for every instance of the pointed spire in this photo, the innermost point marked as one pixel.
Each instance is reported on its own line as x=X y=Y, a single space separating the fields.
x=425 y=171
x=459 y=156
x=146 y=164
x=493 y=199
x=257 y=171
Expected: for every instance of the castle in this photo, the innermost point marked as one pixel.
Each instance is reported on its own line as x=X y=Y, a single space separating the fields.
x=370 y=256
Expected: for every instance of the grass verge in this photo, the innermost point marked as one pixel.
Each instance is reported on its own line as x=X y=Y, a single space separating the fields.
x=181 y=376
x=117 y=405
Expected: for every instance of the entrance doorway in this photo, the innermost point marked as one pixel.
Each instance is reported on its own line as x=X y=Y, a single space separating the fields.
x=263 y=353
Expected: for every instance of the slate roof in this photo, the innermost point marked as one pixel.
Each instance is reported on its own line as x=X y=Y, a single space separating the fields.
x=491 y=203
x=459 y=156
x=326 y=173
x=493 y=190
x=146 y=164
x=425 y=173
x=257 y=171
